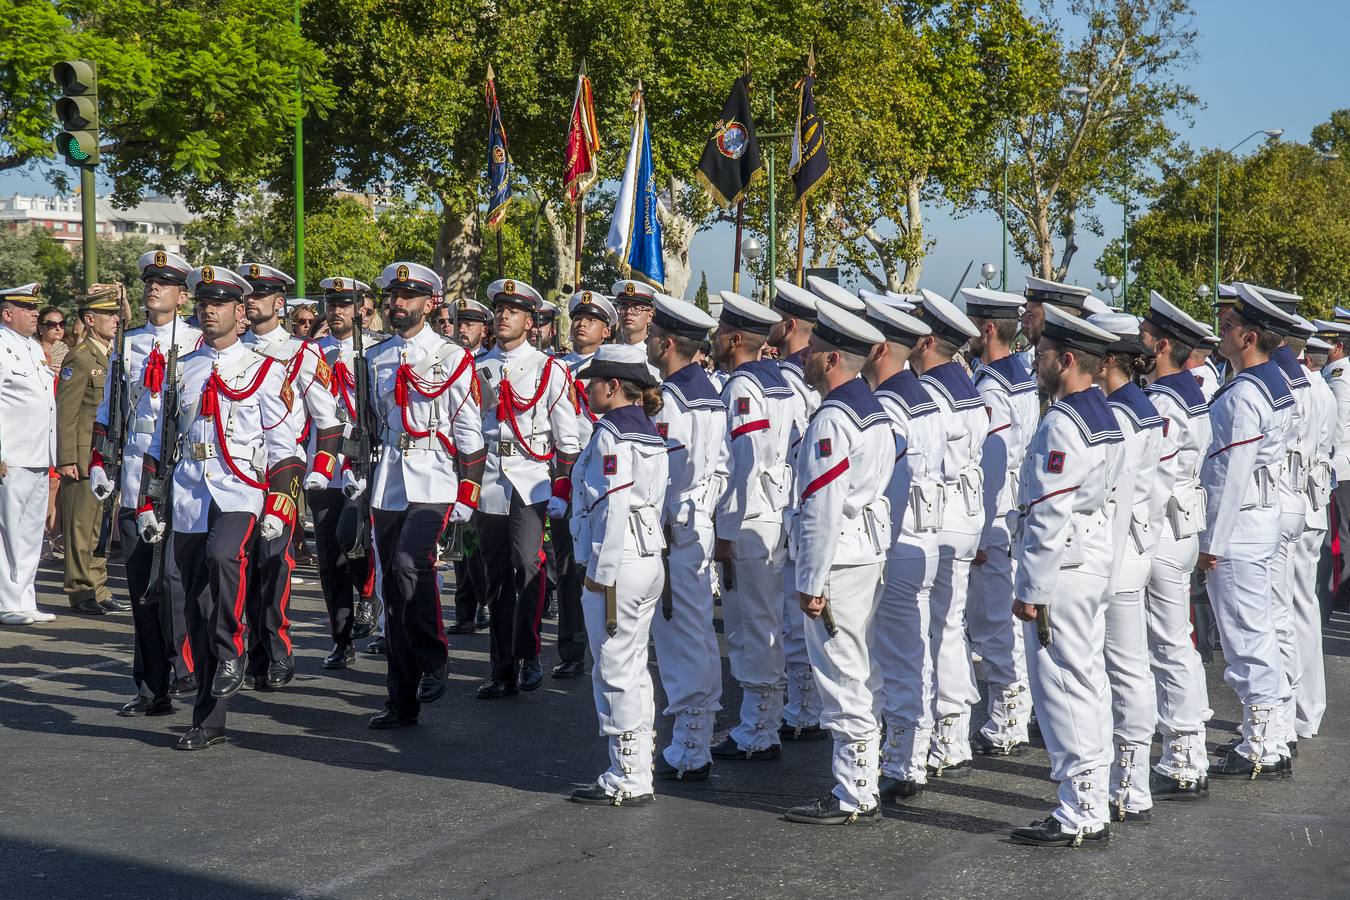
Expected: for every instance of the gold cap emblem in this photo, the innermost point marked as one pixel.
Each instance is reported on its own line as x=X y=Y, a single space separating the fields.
x=337 y=284
x=254 y=270
x=509 y=287
x=585 y=296
x=208 y=274
x=161 y=258
x=402 y=273
x=629 y=289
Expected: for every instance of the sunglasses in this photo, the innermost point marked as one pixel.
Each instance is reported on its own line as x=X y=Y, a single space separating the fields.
x=54 y=323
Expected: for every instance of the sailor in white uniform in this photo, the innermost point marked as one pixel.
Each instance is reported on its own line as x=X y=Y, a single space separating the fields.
x=1068 y=298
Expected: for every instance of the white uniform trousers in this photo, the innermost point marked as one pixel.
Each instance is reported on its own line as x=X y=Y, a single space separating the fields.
x=1073 y=707
x=1182 y=695
x=687 y=655
x=1240 y=593
x=954 y=689
x=802 y=709
x=1133 y=707
x=902 y=666
x=1292 y=526
x=752 y=616
x=23 y=510
x=624 y=699
x=1310 y=700
x=997 y=637
x=843 y=668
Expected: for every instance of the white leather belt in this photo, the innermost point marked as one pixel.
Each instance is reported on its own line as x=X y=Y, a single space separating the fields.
x=405 y=441
x=204 y=450
x=142 y=426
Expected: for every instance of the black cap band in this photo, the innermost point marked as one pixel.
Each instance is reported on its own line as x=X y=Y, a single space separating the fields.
x=517 y=300
x=837 y=339
x=978 y=310
x=744 y=323
x=1075 y=339
x=591 y=310
x=789 y=307
x=216 y=290
x=669 y=323
x=893 y=332
x=1177 y=331
x=177 y=277
x=1259 y=318
x=941 y=327
x=637 y=373
x=1058 y=298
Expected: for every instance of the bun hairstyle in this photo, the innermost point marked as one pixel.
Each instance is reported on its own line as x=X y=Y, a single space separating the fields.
x=649 y=398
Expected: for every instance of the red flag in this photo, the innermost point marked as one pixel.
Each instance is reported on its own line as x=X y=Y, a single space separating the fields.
x=583 y=141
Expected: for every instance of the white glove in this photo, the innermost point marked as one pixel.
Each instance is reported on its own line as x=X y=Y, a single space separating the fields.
x=151 y=528
x=99 y=484
x=460 y=513
x=352 y=485
x=272 y=527
x=557 y=507
x=315 y=481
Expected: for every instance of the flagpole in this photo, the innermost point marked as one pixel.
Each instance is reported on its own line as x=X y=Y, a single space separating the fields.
x=499 y=249
x=801 y=239
x=736 y=250
x=580 y=236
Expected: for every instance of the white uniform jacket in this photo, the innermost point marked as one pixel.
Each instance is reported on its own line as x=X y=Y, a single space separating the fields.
x=693 y=423
x=310 y=377
x=1139 y=506
x=915 y=489
x=1337 y=375
x=1208 y=376
x=1300 y=438
x=586 y=419
x=1185 y=443
x=758 y=478
x=27 y=403
x=1010 y=399
x=1321 y=478
x=961 y=410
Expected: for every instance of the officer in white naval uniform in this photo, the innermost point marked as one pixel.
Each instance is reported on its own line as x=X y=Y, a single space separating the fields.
x=234 y=467
x=693 y=423
x=162 y=664
x=961 y=411
x=1068 y=298
x=749 y=524
x=1008 y=389
x=616 y=520
x=902 y=663
x=1062 y=538
x=633 y=303
x=27 y=450
x=1182 y=697
x=1250 y=417
x=842 y=533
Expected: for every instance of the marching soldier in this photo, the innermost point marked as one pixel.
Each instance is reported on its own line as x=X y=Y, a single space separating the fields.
x=842 y=534
x=162 y=664
x=1170 y=336
x=1067 y=298
x=428 y=476
x=544 y=335
x=78 y=394
x=530 y=426
x=692 y=422
x=961 y=410
x=1063 y=543
x=472 y=320
x=313 y=407
x=234 y=466
x=471 y=613
x=616 y=523
x=633 y=301
x=1008 y=389
x=27 y=451
x=749 y=524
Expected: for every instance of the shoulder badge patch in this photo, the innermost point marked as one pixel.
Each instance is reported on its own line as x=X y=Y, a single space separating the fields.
x=824 y=448
x=742 y=406
x=610 y=464
x=1167 y=425
x=288 y=395
x=1336 y=373
x=663 y=429
x=67 y=373
x=1056 y=462
x=323 y=374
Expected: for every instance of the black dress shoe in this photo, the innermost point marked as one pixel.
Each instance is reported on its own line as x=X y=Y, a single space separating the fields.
x=229 y=678
x=826 y=811
x=569 y=669
x=200 y=738
x=802 y=732
x=595 y=796
x=376 y=647
x=432 y=686
x=88 y=606
x=1237 y=766
x=461 y=628
x=392 y=718
x=146 y=706
x=491 y=690
x=343 y=655
x=889 y=788
x=115 y=604
x=254 y=681
x=184 y=687
x=481 y=619
x=1050 y=834
x=1165 y=787
x=531 y=674
x=729 y=749
x=959 y=770
x=981 y=745
x=280 y=673
x=664 y=771
x=363 y=619
x=1120 y=814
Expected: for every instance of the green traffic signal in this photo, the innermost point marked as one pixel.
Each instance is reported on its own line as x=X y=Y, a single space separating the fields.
x=77 y=111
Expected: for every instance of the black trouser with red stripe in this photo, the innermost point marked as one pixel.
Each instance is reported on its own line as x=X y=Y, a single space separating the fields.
x=571 y=619
x=160 y=629
x=271 y=564
x=511 y=546
x=414 y=633
x=342 y=580
x=468 y=586
x=212 y=567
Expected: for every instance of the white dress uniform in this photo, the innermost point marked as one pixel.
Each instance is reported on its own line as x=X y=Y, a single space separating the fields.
x=1207 y=376
x=1336 y=373
x=616 y=528
x=1310 y=698
x=310 y=377
x=28 y=449
x=1250 y=417
x=961 y=411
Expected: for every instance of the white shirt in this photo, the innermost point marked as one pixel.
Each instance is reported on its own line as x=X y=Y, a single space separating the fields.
x=758 y=479
x=1013 y=406
x=309 y=375
x=692 y=421
x=915 y=488
x=1185 y=443
x=27 y=403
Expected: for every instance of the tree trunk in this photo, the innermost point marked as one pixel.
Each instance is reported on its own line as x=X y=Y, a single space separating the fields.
x=560 y=238
x=459 y=250
x=678 y=232
x=914 y=228
x=1070 y=244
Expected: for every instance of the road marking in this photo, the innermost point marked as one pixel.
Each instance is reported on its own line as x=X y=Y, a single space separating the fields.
x=32 y=679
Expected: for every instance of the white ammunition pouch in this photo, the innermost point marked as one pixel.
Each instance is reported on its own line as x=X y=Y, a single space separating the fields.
x=644 y=525
x=927 y=502
x=969 y=490
x=1141 y=532
x=1265 y=487
x=1186 y=513
x=876 y=521
x=1081 y=527
x=776 y=483
x=1296 y=470
x=1320 y=483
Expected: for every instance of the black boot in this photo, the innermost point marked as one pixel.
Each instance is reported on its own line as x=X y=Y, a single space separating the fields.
x=229 y=679
x=827 y=811
x=1050 y=833
x=1165 y=787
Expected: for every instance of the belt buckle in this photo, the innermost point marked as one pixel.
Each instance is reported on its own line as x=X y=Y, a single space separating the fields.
x=200 y=451
x=506 y=448
x=406 y=441
x=343 y=416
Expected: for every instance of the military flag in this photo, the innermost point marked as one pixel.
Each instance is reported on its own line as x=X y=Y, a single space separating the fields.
x=809 y=163
x=583 y=141
x=634 y=241
x=499 y=157
x=731 y=161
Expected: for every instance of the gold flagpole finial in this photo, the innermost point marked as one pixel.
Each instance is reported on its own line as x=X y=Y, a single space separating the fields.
x=747 y=61
x=491 y=76
x=582 y=70
x=811 y=60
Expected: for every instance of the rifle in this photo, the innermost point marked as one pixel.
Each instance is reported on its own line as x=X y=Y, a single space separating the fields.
x=359 y=447
x=113 y=442
x=160 y=489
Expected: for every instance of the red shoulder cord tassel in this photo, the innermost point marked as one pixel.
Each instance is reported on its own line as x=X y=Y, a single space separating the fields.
x=508 y=406
x=153 y=377
x=406 y=382
x=210 y=408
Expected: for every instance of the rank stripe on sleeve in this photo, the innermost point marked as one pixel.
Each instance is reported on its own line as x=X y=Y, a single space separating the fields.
x=1234 y=444
x=747 y=427
x=838 y=469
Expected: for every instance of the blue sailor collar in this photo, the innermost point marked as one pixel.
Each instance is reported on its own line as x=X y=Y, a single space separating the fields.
x=796 y=363
x=952 y=382
x=630 y=423
x=1131 y=399
x=1269 y=380
x=1010 y=372
x=1284 y=357
x=766 y=374
x=692 y=387
x=1184 y=389
x=1090 y=413
x=904 y=388
x=856 y=399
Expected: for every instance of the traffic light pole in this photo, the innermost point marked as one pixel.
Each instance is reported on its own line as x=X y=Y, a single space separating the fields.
x=89 y=210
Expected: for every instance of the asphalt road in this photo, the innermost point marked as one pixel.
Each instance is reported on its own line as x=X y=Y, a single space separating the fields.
x=307 y=802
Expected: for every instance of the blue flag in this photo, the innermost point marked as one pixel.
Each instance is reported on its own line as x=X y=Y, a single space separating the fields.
x=634 y=241
x=499 y=158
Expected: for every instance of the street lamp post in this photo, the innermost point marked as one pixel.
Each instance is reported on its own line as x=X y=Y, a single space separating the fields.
x=751 y=250
x=1273 y=134
x=987 y=272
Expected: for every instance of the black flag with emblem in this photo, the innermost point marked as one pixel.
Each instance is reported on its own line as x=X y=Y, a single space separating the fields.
x=809 y=163
x=731 y=162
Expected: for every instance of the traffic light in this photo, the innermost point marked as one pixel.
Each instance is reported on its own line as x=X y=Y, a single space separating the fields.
x=77 y=111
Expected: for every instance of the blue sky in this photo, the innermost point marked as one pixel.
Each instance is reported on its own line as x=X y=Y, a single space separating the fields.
x=1258 y=65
